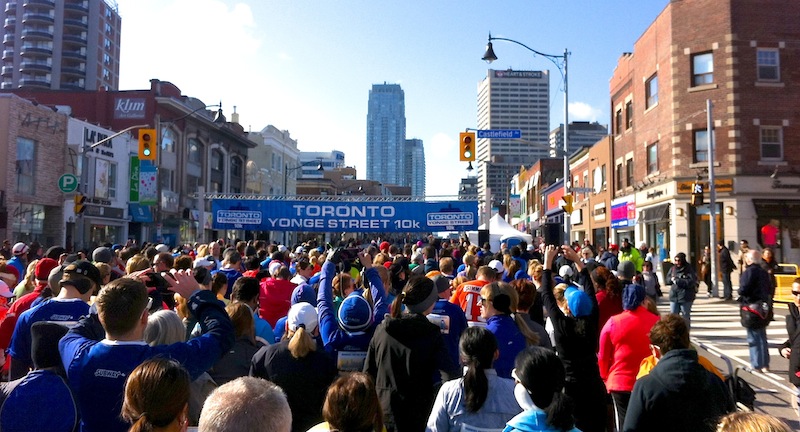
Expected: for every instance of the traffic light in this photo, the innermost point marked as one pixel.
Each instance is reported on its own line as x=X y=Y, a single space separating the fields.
x=568 y=199
x=697 y=194
x=147 y=144
x=80 y=203
x=467 y=146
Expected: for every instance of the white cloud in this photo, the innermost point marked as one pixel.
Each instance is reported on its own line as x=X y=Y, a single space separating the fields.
x=581 y=111
x=443 y=170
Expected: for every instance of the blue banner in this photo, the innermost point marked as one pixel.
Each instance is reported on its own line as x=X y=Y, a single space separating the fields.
x=344 y=216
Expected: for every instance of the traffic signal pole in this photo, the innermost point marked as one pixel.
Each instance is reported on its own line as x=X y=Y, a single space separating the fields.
x=79 y=241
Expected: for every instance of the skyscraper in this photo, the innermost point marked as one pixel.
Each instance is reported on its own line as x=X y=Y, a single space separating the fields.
x=386 y=134
x=415 y=166
x=511 y=99
x=581 y=134
x=60 y=44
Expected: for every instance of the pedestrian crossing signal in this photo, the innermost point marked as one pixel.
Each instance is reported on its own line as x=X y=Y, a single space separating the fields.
x=697 y=194
x=466 y=146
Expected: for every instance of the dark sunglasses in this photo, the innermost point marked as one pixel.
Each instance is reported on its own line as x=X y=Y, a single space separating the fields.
x=796 y=293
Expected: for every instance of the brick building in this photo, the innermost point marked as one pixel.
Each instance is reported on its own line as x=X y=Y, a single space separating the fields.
x=742 y=56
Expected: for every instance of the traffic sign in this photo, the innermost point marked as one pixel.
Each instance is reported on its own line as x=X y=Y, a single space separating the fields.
x=500 y=133
x=67 y=183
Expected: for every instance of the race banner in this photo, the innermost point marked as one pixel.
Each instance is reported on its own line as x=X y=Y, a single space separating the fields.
x=344 y=216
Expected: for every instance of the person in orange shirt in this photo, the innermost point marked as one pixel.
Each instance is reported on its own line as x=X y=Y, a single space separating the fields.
x=468 y=294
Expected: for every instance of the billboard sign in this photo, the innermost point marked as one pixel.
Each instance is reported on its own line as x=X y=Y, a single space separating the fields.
x=348 y=216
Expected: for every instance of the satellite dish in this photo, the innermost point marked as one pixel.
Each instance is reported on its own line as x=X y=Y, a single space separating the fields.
x=598 y=180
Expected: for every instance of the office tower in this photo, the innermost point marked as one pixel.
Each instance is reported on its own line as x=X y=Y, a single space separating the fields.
x=415 y=166
x=581 y=134
x=386 y=134
x=60 y=44
x=511 y=99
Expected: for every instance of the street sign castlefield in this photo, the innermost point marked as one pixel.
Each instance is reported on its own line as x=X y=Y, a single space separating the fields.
x=500 y=133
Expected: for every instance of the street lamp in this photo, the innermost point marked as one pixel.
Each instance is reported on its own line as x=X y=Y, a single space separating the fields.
x=490 y=56
x=286 y=171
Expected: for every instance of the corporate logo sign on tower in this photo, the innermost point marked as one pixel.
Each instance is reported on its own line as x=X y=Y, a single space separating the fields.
x=129 y=108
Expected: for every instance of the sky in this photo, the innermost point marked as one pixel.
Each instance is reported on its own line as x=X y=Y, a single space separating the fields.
x=307 y=66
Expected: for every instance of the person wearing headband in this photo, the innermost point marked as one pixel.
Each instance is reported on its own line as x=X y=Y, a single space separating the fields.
x=403 y=355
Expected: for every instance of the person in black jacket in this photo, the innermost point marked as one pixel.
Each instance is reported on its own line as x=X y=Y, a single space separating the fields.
x=726 y=267
x=754 y=287
x=791 y=348
x=574 y=314
x=679 y=394
x=403 y=355
x=683 y=282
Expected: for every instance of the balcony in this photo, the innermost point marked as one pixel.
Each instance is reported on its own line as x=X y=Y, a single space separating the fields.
x=7 y=86
x=8 y=54
x=31 y=34
x=73 y=55
x=9 y=23
x=34 y=67
x=72 y=85
x=11 y=7
x=29 y=3
x=78 y=71
x=78 y=39
x=79 y=6
x=37 y=18
x=7 y=71
x=35 y=82
x=8 y=39
x=31 y=51
x=75 y=23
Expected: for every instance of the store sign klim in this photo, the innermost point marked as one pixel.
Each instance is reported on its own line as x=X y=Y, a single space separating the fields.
x=721 y=185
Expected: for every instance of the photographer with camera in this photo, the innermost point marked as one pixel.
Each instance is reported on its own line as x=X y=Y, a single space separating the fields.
x=683 y=282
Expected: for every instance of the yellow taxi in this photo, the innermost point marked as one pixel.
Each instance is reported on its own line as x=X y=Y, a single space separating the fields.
x=788 y=273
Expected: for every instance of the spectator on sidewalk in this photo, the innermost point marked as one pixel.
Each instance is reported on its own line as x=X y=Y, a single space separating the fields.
x=683 y=288
x=791 y=348
x=754 y=288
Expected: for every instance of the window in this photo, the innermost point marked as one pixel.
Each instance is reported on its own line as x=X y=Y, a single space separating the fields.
x=107 y=43
x=106 y=59
x=702 y=69
x=701 y=145
x=771 y=143
x=165 y=177
x=26 y=166
x=629 y=115
x=603 y=177
x=195 y=151
x=652 y=158
x=112 y=180
x=629 y=172
x=768 y=65
x=618 y=121
x=618 y=177
x=167 y=140
x=651 y=92
x=217 y=160
x=236 y=167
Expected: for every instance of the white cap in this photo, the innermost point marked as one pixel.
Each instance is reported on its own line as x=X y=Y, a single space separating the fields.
x=497 y=266
x=19 y=249
x=202 y=262
x=531 y=248
x=299 y=250
x=302 y=314
x=5 y=291
x=565 y=271
x=162 y=248
x=282 y=248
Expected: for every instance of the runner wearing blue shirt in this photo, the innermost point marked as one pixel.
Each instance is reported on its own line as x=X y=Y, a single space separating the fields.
x=102 y=350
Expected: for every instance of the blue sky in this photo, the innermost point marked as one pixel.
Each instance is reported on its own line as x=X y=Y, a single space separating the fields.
x=307 y=66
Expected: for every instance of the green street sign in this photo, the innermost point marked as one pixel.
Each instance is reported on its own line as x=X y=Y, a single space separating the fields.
x=67 y=183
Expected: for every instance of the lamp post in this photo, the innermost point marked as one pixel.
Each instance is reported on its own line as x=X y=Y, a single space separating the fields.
x=286 y=171
x=490 y=56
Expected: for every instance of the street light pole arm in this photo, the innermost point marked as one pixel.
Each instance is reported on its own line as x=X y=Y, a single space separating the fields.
x=551 y=56
x=109 y=138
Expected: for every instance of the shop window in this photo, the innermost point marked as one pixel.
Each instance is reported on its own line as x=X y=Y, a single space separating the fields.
x=652 y=158
x=700 y=146
x=702 y=69
x=651 y=92
x=26 y=166
x=768 y=64
x=771 y=143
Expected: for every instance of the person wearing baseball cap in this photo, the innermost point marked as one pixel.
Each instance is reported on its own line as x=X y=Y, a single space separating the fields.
x=20 y=259
x=449 y=317
x=81 y=279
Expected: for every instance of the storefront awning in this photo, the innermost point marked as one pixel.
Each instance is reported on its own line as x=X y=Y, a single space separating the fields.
x=140 y=213
x=654 y=214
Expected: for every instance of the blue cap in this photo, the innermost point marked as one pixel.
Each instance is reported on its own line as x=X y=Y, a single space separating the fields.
x=632 y=296
x=578 y=301
x=355 y=313
x=520 y=274
x=304 y=293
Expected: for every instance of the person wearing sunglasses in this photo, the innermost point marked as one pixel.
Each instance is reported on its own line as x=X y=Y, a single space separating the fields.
x=791 y=348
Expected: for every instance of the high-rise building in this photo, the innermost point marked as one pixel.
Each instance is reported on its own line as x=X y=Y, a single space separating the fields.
x=386 y=134
x=511 y=99
x=60 y=44
x=415 y=166
x=311 y=161
x=581 y=134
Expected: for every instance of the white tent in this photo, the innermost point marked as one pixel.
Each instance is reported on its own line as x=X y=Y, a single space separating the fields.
x=500 y=231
